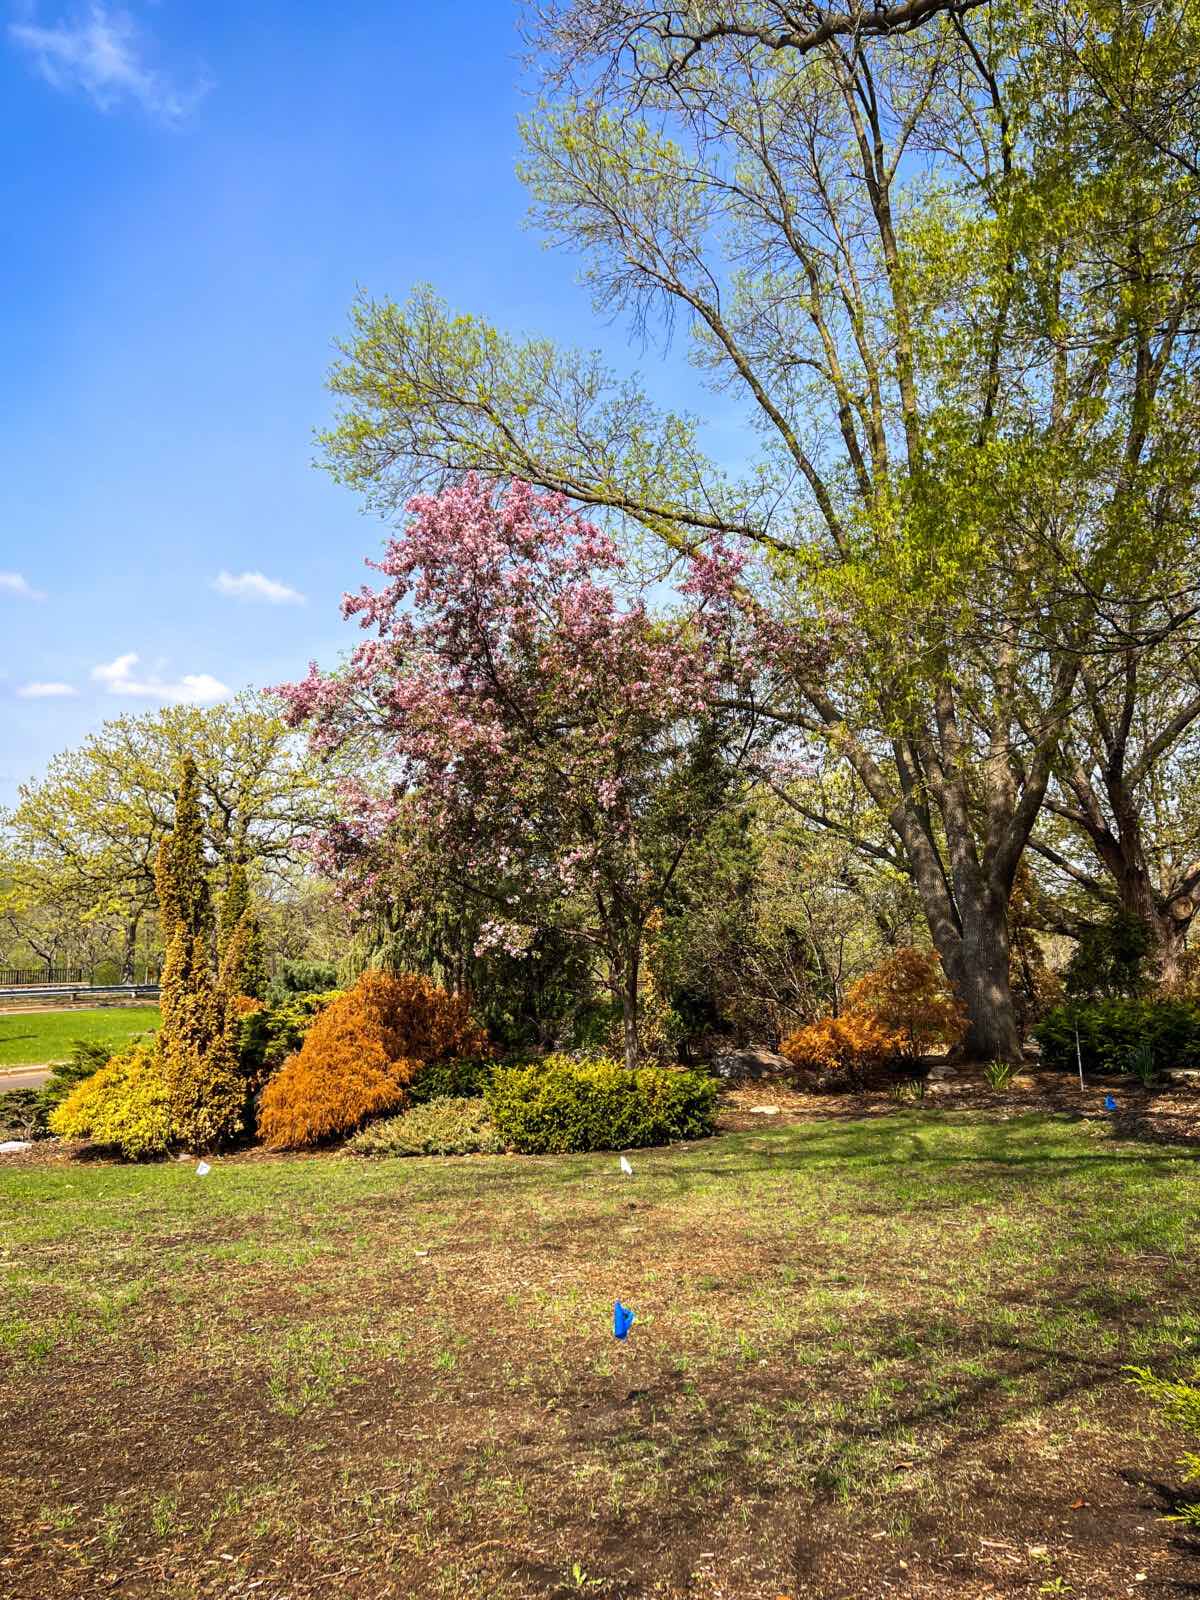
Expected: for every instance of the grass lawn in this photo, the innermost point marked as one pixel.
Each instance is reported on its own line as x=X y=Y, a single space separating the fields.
x=35 y=1038
x=872 y=1358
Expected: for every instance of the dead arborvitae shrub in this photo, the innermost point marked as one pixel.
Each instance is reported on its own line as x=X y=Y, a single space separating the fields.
x=839 y=1047
x=360 y=1055
x=908 y=997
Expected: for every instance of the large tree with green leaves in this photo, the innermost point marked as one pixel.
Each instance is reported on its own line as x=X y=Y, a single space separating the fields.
x=85 y=837
x=958 y=310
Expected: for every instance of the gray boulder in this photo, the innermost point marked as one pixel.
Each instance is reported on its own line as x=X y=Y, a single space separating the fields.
x=749 y=1065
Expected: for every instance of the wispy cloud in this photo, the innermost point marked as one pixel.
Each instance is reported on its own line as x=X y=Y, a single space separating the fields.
x=14 y=583
x=102 y=53
x=46 y=691
x=255 y=586
x=193 y=688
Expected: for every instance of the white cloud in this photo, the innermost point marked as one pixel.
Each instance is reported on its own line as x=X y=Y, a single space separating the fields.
x=46 y=691
x=102 y=52
x=193 y=688
x=14 y=583
x=255 y=586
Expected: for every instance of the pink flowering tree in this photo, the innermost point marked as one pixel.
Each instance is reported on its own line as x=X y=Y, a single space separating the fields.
x=558 y=747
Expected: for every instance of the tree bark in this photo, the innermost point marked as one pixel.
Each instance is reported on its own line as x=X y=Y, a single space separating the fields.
x=630 y=964
x=983 y=983
x=129 y=949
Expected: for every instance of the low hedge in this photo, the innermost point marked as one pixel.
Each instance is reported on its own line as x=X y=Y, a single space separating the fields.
x=561 y=1104
x=452 y=1126
x=1116 y=1034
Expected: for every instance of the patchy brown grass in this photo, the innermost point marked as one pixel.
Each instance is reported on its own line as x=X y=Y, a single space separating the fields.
x=878 y=1356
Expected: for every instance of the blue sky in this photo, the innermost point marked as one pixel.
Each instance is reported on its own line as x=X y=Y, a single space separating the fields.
x=191 y=195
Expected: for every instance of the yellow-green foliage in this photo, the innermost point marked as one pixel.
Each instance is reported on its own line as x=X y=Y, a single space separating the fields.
x=125 y=1104
x=197 y=1047
x=197 y=1042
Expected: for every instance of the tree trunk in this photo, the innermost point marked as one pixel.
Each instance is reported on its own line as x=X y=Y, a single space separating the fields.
x=970 y=935
x=629 y=1001
x=129 y=950
x=984 y=986
x=1168 y=931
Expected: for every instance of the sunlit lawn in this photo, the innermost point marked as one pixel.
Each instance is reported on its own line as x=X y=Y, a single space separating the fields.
x=37 y=1037
x=863 y=1350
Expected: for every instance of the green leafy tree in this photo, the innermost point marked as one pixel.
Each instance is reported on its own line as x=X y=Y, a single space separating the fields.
x=959 y=311
x=85 y=838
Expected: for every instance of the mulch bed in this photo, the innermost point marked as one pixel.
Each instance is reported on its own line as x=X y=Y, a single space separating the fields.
x=1162 y=1115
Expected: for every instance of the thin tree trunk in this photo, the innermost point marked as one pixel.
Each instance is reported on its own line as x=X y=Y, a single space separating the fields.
x=629 y=969
x=129 y=950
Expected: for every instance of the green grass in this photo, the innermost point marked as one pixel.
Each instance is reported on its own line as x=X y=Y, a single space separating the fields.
x=35 y=1038
x=893 y=1340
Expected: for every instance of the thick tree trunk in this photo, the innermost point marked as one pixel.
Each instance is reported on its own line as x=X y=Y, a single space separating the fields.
x=984 y=986
x=1171 y=942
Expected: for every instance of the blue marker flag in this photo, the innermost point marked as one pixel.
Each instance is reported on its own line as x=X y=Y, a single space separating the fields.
x=623 y=1320
x=1109 y=1103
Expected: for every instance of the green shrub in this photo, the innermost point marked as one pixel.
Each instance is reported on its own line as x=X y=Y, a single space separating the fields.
x=1147 y=1036
x=22 y=1115
x=1179 y=1403
x=442 y=1080
x=1110 y=959
x=268 y=1035
x=301 y=978
x=561 y=1104
x=451 y=1126
x=87 y=1056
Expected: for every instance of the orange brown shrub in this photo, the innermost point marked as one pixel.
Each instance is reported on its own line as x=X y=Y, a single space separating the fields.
x=848 y=1044
x=908 y=997
x=359 y=1056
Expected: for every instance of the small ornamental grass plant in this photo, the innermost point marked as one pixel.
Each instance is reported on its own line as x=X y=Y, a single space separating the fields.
x=1178 y=1401
x=450 y=1126
x=560 y=1104
x=999 y=1074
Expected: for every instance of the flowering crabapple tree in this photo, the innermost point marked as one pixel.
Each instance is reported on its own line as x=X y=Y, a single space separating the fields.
x=560 y=745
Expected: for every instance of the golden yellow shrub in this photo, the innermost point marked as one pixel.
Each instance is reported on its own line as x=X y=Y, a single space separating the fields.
x=125 y=1104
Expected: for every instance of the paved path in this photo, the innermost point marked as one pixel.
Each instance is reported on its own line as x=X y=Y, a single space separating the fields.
x=22 y=1077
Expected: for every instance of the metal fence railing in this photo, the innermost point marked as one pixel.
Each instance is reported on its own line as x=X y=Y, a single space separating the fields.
x=104 y=976
x=18 y=977
x=79 y=991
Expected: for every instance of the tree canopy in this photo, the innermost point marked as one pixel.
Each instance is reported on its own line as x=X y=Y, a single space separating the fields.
x=952 y=282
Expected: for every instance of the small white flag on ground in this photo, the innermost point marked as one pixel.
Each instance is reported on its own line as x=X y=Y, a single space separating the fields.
x=203 y=1170
x=625 y=1167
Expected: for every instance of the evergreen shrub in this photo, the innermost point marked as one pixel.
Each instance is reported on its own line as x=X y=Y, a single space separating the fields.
x=560 y=1104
